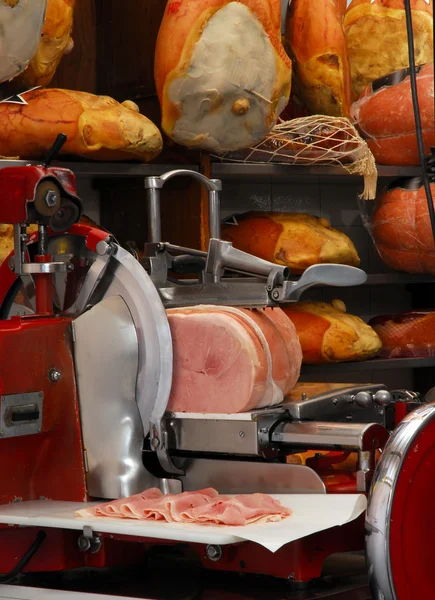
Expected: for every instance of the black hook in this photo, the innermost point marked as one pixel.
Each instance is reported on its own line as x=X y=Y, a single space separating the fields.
x=55 y=149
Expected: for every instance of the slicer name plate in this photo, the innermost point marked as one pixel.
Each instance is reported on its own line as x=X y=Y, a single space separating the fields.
x=21 y=414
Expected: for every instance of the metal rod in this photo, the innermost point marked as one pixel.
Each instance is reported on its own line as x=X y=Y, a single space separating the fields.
x=42 y=240
x=154 y=217
x=417 y=116
x=214 y=216
x=318 y=434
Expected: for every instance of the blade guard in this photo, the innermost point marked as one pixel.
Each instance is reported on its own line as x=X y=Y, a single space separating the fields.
x=19 y=188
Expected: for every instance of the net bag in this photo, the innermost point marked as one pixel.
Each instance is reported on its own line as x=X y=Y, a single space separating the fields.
x=315 y=140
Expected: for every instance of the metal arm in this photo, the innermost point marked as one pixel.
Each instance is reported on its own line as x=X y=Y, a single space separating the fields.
x=153 y=185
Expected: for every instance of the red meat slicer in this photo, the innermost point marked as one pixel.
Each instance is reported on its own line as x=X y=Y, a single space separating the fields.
x=85 y=375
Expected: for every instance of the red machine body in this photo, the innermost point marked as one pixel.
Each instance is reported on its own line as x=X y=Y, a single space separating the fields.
x=19 y=185
x=50 y=464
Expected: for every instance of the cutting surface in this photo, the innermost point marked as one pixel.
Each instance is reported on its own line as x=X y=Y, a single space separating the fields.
x=310 y=513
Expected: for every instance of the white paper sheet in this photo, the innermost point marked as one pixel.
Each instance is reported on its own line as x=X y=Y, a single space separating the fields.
x=310 y=513
x=13 y=592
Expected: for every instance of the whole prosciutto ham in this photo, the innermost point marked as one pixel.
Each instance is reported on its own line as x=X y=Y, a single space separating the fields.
x=407 y=334
x=221 y=72
x=317 y=43
x=385 y=118
x=377 y=39
x=228 y=360
x=200 y=507
x=55 y=42
x=21 y=24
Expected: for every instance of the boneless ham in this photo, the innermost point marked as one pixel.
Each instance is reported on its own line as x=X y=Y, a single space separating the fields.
x=201 y=507
x=221 y=72
x=228 y=360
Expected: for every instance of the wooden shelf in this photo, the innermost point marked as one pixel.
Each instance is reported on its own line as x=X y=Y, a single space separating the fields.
x=281 y=172
x=376 y=364
x=84 y=168
x=103 y=169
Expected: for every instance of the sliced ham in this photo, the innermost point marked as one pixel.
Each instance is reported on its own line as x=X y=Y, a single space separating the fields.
x=240 y=510
x=122 y=507
x=228 y=360
x=201 y=507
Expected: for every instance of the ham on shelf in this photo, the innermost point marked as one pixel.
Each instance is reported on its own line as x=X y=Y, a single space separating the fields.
x=205 y=507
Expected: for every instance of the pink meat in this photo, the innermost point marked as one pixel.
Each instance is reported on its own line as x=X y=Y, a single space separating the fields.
x=229 y=360
x=240 y=510
x=121 y=507
x=152 y=505
x=201 y=507
x=284 y=345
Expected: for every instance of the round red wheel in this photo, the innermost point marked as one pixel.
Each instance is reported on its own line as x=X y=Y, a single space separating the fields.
x=400 y=528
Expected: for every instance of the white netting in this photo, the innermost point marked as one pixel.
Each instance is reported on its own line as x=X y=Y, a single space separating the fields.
x=314 y=140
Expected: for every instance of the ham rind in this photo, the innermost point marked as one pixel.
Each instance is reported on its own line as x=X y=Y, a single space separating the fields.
x=284 y=344
x=402 y=230
x=228 y=360
x=238 y=511
x=408 y=334
x=385 y=118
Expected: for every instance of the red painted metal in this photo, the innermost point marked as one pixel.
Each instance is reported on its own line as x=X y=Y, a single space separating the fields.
x=43 y=288
x=18 y=187
x=49 y=464
x=94 y=236
x=59 y=551
x=91 y=234
x=412 y=526
x=299 y=561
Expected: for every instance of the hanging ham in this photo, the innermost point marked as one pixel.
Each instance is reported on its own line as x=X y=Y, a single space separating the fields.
x=377 y=39
x=228 y=360
x=317 y=43
x=385 y=118
x=55 y=42
x=21 y=24
x=222 y=75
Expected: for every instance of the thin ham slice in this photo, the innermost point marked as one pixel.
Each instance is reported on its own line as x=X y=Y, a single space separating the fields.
x=239 y=510
x=202 y=507
x=123 y=507
x=228 y=360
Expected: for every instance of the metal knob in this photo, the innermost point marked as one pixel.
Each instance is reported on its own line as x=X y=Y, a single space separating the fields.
x=363 y=399
x=383 y=398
